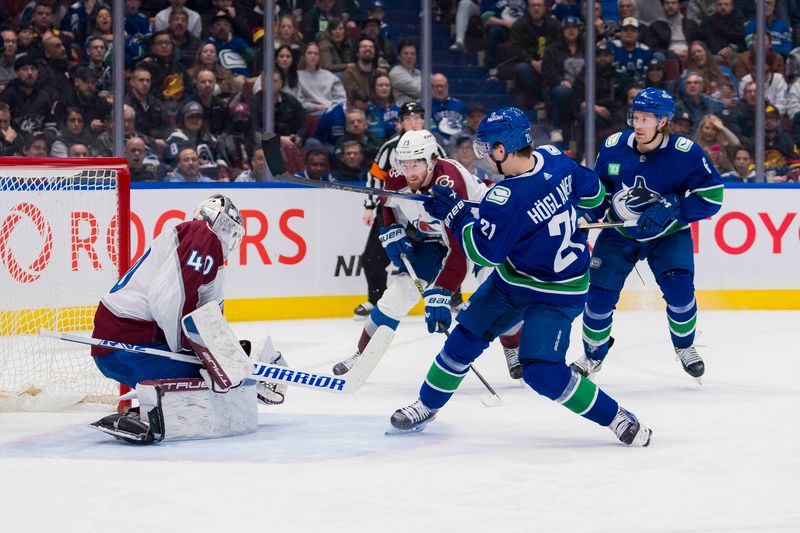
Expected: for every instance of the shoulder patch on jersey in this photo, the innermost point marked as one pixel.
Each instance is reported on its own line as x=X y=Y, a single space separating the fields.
x=613 y=139
x=683 y=144
x=550 y=149
x=498 y=195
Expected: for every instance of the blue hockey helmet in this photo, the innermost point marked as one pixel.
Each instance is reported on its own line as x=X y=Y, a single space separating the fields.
x=508 y=126
x=652 y=100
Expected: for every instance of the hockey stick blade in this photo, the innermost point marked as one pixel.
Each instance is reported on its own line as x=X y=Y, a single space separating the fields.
x=347 y=384
x=271 y=144
x=604 y=225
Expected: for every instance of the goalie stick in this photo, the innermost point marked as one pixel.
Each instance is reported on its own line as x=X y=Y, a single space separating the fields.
x=346 y=384
x=493 y=400
x=270 y=143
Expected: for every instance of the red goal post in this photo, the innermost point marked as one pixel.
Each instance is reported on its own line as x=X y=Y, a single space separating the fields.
x=64 y=242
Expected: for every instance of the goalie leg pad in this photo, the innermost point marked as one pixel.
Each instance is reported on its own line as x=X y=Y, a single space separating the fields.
x=270 y=393
x=400 y=296
x=188 y=409
x=210 y=336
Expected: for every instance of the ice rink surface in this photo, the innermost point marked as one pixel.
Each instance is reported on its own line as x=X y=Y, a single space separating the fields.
x=724 y=456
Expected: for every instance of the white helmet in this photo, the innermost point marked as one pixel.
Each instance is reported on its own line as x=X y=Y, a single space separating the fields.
x=417 y=145
x=225 y=220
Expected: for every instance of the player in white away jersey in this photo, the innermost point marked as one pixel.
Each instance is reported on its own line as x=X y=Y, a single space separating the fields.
x=181 y=272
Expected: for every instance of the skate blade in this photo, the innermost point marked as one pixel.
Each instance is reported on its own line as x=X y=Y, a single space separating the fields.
x=699 y=381
x=394 y=432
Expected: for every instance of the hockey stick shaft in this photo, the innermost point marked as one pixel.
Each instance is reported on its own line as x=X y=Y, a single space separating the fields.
x=261 y=371
x=270 y=143
x=604 y=225
x=418 y=284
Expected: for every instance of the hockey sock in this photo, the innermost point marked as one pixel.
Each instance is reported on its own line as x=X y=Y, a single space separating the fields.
x=376 y=318
x=511 y=340
x=597 y=316
x=678 y=289
x=575 y=392
x=450 y=367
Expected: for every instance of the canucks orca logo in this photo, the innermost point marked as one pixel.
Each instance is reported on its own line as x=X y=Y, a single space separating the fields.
x=629 y=202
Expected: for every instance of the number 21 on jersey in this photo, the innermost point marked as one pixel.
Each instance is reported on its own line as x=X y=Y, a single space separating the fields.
x=200 y=263
x=564 y=257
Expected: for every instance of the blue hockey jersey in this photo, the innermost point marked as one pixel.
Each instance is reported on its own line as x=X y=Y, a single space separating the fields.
x=527 y=229
x=633 y=181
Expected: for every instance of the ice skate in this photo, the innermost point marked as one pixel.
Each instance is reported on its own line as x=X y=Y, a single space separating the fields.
x=512 y=360
x=345 y=366
x=629 y=430
x=586 y=366
x=692 y=362
x=125 y=426
x=362 y=311
x=411 y=419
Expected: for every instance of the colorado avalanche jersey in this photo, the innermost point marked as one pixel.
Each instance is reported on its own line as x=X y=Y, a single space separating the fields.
x=528 y=229
x=634 y=181
x=181 y=271
x=448 y=173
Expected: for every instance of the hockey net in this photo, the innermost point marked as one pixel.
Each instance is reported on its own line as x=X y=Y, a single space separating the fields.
x=64 y=241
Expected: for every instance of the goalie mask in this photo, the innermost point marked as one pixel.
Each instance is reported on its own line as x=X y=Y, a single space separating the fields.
x=225 y=220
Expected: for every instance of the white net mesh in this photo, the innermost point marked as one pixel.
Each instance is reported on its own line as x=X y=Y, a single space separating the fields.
x=59 y=247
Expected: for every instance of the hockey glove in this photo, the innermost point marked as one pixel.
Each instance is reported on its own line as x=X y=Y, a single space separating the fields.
x=437 y=309
x=394 y=240
x=658 y=216
x=446 y=205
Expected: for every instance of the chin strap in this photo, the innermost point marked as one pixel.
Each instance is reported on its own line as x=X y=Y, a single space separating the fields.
x=498 y=163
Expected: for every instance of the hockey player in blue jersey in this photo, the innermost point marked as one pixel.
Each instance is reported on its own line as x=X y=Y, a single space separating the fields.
x=664 y=182
x=527 y=230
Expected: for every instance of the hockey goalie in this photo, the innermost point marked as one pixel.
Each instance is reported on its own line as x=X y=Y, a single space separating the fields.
x=171 y=299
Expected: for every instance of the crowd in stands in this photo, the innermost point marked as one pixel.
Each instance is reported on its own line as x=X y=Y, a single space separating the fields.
x=195 y=88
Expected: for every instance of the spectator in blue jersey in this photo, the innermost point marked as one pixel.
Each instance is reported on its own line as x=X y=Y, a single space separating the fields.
x=447 y=113
x=561 y=64
x=332 y=123
x=778 y=29
x=232 y=51
x=662 y=36
x=316 y=163
x=691 y=98
x=137 y=25
x=540 y=277
x=530 y=35
x=377 y=12
x=76 y=21
x=381 y=111
x=663 y=182
x=498 y=17
x=630 y=56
